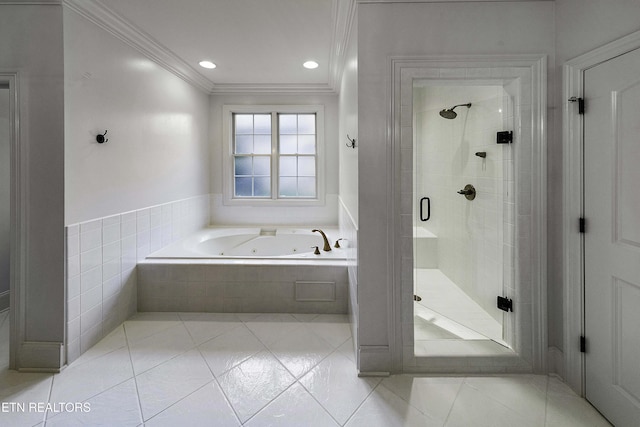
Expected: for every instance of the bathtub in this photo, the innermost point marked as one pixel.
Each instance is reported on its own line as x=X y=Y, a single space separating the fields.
x=253 y=243
x=246 y=270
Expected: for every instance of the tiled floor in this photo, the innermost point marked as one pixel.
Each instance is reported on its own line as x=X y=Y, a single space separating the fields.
x=176 y=369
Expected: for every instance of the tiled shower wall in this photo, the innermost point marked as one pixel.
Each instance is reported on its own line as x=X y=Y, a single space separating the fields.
x=101 y=264
x=470 y=233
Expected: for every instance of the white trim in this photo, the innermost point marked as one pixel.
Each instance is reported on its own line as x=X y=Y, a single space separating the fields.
x=19 y=219
x=321 y=172
x=280 y=88
x=30 y=2
x=531 y=343
x=556 y=361
x=41 y=356
x=572 y=128
x=4 y=300
x=439 y=1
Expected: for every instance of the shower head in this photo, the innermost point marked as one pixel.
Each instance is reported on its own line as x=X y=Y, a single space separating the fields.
x=450 y=114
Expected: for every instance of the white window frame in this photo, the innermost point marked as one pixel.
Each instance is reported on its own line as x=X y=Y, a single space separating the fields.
x=227 y=119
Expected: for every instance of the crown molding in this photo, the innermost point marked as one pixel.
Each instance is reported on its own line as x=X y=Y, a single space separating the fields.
x=344 y=16
x=99 y=14
x=283 y=88
x=30 y=2
x=344 y=12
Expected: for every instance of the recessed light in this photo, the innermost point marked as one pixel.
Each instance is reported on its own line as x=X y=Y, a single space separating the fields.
x=310 y=65
x=207 y=64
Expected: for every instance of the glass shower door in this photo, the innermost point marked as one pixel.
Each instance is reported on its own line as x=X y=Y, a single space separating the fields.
x=459 y=221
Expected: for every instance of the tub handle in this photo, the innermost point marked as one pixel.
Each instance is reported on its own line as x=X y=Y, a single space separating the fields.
x=317 y=251
x=337 y=245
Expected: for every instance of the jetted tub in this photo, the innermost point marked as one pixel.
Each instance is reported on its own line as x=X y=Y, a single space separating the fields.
x=246 y=270
x=253 y=243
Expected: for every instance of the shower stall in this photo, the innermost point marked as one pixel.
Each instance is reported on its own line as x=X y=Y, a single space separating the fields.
x=463 y=215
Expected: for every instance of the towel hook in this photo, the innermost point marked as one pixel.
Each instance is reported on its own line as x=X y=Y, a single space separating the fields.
x=101 y=139
x=351 y=143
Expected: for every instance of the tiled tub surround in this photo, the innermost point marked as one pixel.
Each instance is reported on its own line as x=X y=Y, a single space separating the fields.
x=243 y=286
x=101 y=264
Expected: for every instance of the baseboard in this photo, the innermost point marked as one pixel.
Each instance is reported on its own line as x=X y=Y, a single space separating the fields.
x=375 y=360
x=4 y=301
x=36 y=356
x=555 y=361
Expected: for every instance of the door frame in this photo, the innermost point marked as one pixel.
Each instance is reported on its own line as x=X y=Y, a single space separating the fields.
x=530 y=262
x=573 y=201
x=17 y=201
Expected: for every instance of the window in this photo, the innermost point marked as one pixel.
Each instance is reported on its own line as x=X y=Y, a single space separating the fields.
x=274 y=154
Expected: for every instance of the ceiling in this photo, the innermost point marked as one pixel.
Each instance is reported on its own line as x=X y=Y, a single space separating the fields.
x=257 y=45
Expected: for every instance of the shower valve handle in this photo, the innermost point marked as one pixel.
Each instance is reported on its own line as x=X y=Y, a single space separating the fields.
x=468 y=191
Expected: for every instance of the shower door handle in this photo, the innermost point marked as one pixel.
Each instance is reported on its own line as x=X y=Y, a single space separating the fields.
x=422 y=218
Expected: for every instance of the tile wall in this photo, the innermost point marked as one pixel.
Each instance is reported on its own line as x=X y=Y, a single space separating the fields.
x=101 y=264
x=242 y=288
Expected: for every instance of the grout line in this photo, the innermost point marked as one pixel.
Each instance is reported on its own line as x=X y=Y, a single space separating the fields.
x=454 y=401
x=135 y=378
x=546 y=399
x=44 y=418
x=204 y=359
x=373 y=389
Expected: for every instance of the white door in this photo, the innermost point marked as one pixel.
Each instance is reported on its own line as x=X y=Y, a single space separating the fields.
x=612 y=239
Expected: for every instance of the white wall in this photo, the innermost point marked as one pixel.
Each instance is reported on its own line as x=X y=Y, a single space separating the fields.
x=349 y=126
x=31 y=42
x=158 y=148
x=581 y=27
x=308 y=215
x=5 y=179
x=387 y=30
x=348 y=209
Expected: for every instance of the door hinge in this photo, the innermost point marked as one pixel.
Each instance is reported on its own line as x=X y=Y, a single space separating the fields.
x=583 y=344
x=505 y=304
x=582 y=225
x=504 y=137
x=580 y=102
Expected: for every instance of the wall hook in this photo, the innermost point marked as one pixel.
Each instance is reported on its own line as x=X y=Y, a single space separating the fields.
x=101 y=139
x=351 y=143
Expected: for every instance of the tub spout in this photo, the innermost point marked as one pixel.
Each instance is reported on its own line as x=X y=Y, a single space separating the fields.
x=327 y=246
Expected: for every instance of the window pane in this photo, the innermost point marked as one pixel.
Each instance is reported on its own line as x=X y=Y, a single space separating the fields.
x=288 y=187
x=262 y=187
x=244 y=144
x=306 y=166
x=288 y=166
x=243 y=187
x=306 y=187
x=288 y=123
x=262 y=144
x=242 y=166
x=244 y=123
x=288 y=144
x=262 y=166
x=307 y=144
x=262 y=124
x=307 y=124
